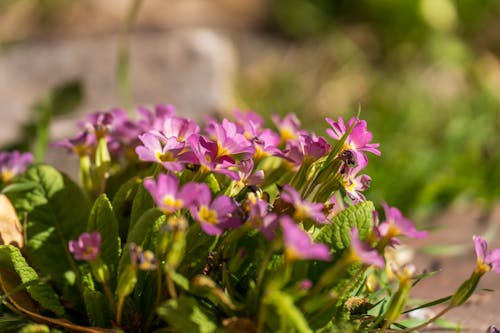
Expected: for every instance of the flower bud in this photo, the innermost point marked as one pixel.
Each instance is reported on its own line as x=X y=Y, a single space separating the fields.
x=466 y=289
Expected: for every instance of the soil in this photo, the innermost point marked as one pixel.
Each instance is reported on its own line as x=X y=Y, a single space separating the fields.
x=454 y=229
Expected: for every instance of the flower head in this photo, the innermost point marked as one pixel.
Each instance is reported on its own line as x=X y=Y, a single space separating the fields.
x=260 y=215
x=354 y=184
x=168 y=152
x=364 y=251
x=298 y=243
x=86 y=247
x=229 y=140
x=358 y=140
x=13 y=163
x=396 y=224
x=288 y=126
x=167 y=195
x=486 y=261
x=303 y=209
x=144 y=260
x=214 y=216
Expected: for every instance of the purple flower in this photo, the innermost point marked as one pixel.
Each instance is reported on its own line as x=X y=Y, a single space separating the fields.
x=354 y=185
x=13 y=163
x=167 y=195
x=396 y=224
x=168 y=152
x=84 y=144
x=179 y=128
x=242 y=119
x=302 y=209
x=214 y=216
x=313 y=147
x=358 y=141
x=245 y=175
x=154 y=120
x=364 y=251
x=86 y=247
x=486 y=261
x=298 y=243
x=289 y=126
x=144 y=260
x=99 y=123
x=206 y=154
x=260 y=216
x=229 y=140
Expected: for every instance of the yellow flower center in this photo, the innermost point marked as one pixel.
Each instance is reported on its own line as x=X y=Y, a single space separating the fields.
x=287 y=134
x=170 y=201
x=7 y=175
x=301 y=212
x=164 y=157
x=208 y=215
x=482 y=267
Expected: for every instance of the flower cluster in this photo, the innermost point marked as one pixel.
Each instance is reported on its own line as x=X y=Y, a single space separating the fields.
x=251 y=228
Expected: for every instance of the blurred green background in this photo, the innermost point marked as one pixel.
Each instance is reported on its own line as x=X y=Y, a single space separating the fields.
x=426 y=76
x=424 y=73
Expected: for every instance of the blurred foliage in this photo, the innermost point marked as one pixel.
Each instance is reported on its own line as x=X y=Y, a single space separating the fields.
x=424 y=74
x=60 y=100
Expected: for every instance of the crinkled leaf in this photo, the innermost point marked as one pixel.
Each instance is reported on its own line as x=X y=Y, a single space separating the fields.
x=103 y=219
x=186 y=314
x=11 y=258
x=57 y=212
x=97 y=308
x=337 y=233
x=22 y=302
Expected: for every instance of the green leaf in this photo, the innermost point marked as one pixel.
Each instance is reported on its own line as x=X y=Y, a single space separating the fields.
x=142 y=202
x=18 y=187
x=138 y=233
x=97 y=308
x=196 y=254
x=337 y=233
x=186 y=314
x=290 y=315
x=122 y=204
x=11 y=257
x=103 y=219
x=57 y=212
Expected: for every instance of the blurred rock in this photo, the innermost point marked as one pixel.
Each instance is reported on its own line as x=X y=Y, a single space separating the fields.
x=190 y=68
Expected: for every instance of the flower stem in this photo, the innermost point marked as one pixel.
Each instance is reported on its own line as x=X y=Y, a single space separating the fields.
x=119 y=310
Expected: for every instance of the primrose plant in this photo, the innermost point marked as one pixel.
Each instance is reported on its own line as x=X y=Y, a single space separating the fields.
x=226 y=227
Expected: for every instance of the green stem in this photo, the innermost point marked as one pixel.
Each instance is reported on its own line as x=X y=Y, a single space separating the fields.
x=123 y=73
x=170 y=283
x=109 y=296
x=119 y=310
x=439 y=315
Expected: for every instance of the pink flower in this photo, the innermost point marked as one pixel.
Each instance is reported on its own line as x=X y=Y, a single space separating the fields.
x=13 y=163
x=358 y=140
x=167 y=195
x=298 y=243
x=485 y=260
x=86 y=247
x=364 y=251
x=303 y=209
x=167 y=152
x=396 y=224
x=214 y=216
